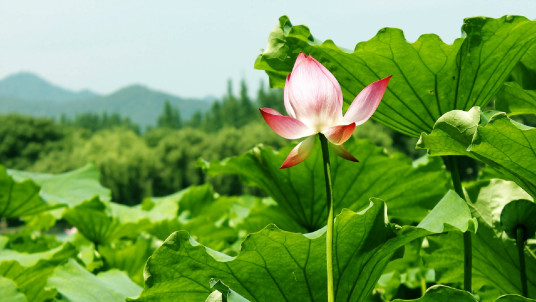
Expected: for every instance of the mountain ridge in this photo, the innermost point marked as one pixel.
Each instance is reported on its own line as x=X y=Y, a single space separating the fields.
x=29 y=86
x=27 y=93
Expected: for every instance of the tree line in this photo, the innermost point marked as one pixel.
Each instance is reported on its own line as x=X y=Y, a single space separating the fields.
x=161 y=160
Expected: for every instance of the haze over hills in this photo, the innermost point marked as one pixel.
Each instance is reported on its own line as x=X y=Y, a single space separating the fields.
x=27 y=93
x=30 y=87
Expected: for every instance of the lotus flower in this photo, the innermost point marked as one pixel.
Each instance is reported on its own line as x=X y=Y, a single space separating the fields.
x=313 y=100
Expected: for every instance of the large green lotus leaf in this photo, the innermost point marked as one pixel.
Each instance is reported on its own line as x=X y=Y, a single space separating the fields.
x=300 y=191
x=74 y=283
x=129 y=256
x=266 y=212
x=429 y=76
x=515 y=100
x=492 y=138
x=19 y=198
x=495 y=260
x=276 y=265
x=103 y=222
x=31 y=280
x=70 y=188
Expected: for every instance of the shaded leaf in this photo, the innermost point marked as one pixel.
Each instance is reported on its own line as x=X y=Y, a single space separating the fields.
x=429 y=76
x=495 y=260
x=300 y=192
x=516 y=214
x=488 y=197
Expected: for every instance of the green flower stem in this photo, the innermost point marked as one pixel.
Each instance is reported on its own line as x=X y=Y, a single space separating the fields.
x=520 y=241
x=467 y=245
x=329 y=200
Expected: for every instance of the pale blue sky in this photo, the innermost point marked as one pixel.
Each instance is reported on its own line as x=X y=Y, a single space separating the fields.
x=191 y=48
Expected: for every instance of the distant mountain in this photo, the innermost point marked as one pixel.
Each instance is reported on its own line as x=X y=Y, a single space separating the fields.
x=30 y=87
x=141 y=104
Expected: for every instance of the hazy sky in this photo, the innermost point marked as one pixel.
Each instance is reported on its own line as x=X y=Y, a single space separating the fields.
x=191 y=48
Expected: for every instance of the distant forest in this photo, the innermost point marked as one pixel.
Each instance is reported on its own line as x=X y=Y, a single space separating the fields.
x=162 y=159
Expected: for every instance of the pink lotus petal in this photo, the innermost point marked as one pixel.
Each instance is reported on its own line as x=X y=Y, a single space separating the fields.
x=299 y=153
x=339 y=134
x=286 y=126
x=314 y=94
x=341 y=151
x=366 y=102
x=300 y=59
x=288 y=107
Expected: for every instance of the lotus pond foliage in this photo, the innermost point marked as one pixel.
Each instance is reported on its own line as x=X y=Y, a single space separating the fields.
x=439 y=207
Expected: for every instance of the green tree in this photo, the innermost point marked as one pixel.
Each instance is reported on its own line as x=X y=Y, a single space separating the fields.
x=245 y=110
x=230 y=107
x=214 y=118
x=24 y=139
x=95 y=122
x=176 y=157
x=272 y=98
x=170 y=118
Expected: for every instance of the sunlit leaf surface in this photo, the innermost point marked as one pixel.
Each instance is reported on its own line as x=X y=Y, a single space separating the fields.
x=430 y=77
x=276 y=265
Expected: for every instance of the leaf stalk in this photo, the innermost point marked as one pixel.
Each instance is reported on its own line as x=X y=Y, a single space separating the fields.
x=452 y=163
x=329 y=200
x=520 y=242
